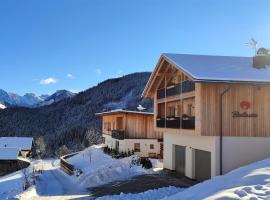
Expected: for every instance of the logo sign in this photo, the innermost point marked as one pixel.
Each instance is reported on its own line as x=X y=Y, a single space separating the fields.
x=245 y=105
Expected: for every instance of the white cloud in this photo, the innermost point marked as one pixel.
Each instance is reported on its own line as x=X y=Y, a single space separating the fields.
x=98 y=71
x=70 y=76
x=48 y=81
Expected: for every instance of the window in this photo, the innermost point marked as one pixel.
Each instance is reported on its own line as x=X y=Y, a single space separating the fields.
x=107 y=126
x=189 y=112
x=137 y=147
x=152 y=146
x=119 y=123
x=171 y=111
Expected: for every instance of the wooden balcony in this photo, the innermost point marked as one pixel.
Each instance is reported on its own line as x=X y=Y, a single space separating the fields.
x=118 y=134
x=176 y=122
x=186 y=86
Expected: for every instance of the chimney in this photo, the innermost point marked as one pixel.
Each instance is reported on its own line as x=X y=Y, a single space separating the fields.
x=262 y=59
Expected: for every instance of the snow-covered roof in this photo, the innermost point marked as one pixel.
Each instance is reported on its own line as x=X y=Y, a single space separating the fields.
x=124 y=111
x=9 y=153
x=219 y=68
x=23 y=143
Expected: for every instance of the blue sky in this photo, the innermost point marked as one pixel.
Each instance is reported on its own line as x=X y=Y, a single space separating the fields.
x=48 y=45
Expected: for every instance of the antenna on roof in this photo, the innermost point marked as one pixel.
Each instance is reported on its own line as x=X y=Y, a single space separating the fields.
x=252 y=44
x=140 y=108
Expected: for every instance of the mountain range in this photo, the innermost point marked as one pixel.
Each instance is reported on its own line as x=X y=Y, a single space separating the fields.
x=31 y=100
x=68 y=121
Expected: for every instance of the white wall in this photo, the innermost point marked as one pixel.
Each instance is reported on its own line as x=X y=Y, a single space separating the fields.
x=128 y=145
x=239 y=151
x=191 y=142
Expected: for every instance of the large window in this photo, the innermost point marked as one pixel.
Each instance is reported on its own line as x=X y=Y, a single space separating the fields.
x=171 y=111
x=119 y=123
x=107 y=126
x=137 y=147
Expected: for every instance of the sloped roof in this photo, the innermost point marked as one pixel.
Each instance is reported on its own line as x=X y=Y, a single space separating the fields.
x=124 y=111
x=9 y=153
x=219 y=68
x=24 y=143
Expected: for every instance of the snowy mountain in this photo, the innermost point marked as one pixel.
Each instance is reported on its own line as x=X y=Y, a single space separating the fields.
x=58 y=96
x=67 y=121
x=31 y=100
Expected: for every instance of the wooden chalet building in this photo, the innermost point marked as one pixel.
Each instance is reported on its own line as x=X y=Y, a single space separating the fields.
x=214 y=111
x=132 y=131
x=15 y=153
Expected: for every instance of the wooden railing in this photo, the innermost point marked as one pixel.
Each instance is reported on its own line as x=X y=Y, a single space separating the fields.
x=118 y=134
x=185 y=86
x=176 y=122
x=65 y=166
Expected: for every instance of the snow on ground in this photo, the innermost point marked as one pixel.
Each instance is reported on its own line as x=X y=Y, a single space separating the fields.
x=156 y=194
x=99 y=168
x=11 y=185
x=54 y=184
x=249 y=182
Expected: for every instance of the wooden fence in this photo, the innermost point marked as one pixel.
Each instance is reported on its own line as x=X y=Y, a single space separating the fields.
x=65 y=166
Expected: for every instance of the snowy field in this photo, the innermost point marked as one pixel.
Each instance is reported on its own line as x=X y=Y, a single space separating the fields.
x=248 y=183
x=99 y=168
x=11 y=185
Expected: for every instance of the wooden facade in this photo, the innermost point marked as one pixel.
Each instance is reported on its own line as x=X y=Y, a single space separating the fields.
x=133 y=125
x=245 y=107
x=251 y=121
x=9 y=166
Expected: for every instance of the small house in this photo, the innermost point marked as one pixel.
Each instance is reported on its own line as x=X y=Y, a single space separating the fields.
x=15 y=153
x=132 y=131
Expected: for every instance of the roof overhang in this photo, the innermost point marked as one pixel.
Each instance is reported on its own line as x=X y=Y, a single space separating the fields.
x=120 y=111
x=154 y=74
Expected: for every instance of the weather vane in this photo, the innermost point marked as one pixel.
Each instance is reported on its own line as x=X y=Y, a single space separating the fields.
x=252 y=44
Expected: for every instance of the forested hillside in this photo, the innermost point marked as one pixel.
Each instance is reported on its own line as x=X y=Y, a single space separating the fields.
x=72 y=122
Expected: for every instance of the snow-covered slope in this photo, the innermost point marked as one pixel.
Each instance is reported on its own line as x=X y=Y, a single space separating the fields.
x=249 y=182
x=99 y=168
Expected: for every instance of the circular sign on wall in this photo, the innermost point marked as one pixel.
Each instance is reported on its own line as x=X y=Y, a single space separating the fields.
x=245 y=105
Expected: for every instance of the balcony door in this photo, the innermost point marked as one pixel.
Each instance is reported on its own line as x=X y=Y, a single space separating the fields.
x=119 y=123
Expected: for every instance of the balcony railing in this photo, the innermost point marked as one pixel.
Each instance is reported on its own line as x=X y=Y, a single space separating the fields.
x=185 y=86
x=176 y=122
x=118 y=134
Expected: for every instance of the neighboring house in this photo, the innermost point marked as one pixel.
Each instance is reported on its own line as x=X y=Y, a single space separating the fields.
x=15 y=153
x=132 y=131
x=25 y=144
x=11 y=160
x=214 y=111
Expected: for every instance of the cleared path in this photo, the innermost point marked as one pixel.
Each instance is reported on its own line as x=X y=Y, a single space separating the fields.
x=53 y=184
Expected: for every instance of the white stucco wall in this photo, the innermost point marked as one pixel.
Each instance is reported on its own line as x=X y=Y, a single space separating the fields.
x=237 y=151
x=191 y=142
x=240 y=151
x=128 y=145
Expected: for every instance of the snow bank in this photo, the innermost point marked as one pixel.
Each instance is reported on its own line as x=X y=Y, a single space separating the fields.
x=148 y=195
x=99 y=168
x=249 y=182
x=11 y=185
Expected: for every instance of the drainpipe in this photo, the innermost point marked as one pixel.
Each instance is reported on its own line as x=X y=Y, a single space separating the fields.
x=221 y=131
